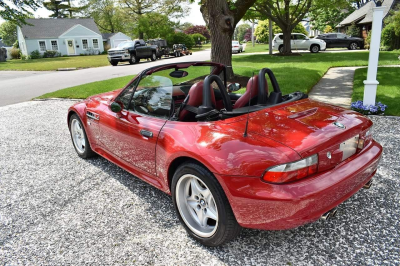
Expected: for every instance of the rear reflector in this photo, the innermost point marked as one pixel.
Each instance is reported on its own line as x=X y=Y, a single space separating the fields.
x=292 y=171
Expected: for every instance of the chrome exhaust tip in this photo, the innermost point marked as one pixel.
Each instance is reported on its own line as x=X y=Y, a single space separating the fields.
x=368 y=184
x=328 y=215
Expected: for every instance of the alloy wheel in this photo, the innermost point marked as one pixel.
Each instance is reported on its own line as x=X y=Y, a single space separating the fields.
x=78 y=135
x=196 y=205
x=353 y=46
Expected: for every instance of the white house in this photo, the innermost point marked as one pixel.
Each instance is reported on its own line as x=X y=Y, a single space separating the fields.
x=113 y=39
x=68 y=36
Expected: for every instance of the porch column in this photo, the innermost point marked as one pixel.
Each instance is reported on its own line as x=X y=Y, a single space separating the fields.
x=371 y=84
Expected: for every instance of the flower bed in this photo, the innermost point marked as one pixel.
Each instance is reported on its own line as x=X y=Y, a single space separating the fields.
x=377 y=109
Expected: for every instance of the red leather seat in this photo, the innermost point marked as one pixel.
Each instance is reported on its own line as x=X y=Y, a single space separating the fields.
x=195 y=99
x=251 y=89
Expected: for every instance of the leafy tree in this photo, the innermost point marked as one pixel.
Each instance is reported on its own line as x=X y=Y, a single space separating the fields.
x=391 y=31
x=353 y=30
x=62 y=8
x=329 y=16
x=198 y=29
x=135 y=9
x=180 y=38
x=106 y=14
x=184 y=26
x=154 y=25
x=328 y=29
x=8 y=33
x=247 y=35
x=221 y=17
x=241 y=31
x=17 y=10
x=287 y=14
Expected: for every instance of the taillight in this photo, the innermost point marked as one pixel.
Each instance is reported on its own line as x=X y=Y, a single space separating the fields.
x=365 y=138
x=292 y=171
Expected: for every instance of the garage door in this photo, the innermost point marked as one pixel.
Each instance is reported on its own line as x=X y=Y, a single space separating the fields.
x=116 y=42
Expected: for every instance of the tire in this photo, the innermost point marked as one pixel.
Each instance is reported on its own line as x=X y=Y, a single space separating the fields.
x=281 y=49
x=114 y=63
x=76 y=128
x=133 y=60
x=153 y=57
x=314 y=48
x=353 y=46
x=215 y=232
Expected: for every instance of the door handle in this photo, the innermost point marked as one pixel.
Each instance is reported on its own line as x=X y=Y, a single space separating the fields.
x=146 y=133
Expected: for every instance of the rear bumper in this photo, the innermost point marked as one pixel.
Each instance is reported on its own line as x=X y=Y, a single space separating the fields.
x=264 y=206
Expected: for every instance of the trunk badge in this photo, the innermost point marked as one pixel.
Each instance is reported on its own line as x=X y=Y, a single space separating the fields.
x=339 y=125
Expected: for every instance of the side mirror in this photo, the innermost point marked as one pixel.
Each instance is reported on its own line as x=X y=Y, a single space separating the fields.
x=234 y=87
x=115 y=107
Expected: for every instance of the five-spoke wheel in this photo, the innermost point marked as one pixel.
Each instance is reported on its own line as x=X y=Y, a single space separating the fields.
x=79 y=138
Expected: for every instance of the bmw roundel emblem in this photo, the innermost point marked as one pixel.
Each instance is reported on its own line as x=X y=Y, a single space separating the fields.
x=339 y=125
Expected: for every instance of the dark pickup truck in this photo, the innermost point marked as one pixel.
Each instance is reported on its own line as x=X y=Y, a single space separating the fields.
x=132 y=52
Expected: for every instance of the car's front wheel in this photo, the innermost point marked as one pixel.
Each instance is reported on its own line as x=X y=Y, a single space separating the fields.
x=281 y=49
x=153 y=57
x=314 y=49
x=202 y=206
x=353 y=46
x=132 y=60
x=114 y=63
x=79 y=138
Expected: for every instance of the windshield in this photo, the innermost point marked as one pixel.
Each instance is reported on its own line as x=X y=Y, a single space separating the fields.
x=125 y=45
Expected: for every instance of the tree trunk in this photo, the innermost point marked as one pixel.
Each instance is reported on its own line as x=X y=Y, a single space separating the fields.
x=221 y=26
x=287 y=45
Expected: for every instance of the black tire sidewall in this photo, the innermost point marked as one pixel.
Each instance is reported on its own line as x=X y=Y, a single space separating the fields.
x=280 y=49
x=218 y=194
x=312 y=48
x=88 y=150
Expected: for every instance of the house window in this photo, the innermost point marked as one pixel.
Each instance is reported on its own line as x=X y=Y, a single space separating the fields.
x=84 y=44
x=54 y=45
x=95 y=43
x=42 y=46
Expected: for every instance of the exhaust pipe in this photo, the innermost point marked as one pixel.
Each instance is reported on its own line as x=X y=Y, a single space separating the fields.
x=328 y=215
x=368 y=185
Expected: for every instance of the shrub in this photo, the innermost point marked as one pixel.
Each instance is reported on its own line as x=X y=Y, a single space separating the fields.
x=16 y=44
x=328 y=29
x=51 y=54
x=368 y=40
x=179 y=37
x=377 y=109
x=15 y=53
x=35 y=54
x=198 y=38
x=353 y=30
x=389 y=37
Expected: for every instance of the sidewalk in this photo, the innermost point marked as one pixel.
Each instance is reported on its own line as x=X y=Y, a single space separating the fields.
x=336 y=86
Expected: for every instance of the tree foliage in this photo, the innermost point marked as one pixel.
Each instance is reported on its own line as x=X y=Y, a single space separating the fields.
x=62 y=8
x=262 y=30
x=391 y=32
x=8 y=33
x=329 y=16
x=201 y=29
x=17 y=10
x=180 y=38
x=154 y=25
x=198 y=38
x=241 y=30
x=106 y=14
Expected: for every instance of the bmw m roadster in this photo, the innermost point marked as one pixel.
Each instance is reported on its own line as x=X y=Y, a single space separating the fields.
x=256 y=160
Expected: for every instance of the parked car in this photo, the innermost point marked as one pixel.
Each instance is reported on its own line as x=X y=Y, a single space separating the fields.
x=162 y=46
x=340 y=40
x=237 y=47
x=258 y=160
x=299 y=42
x=132 y=52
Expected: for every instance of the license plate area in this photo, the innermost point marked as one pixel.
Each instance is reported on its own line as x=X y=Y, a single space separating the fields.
x=349 y=147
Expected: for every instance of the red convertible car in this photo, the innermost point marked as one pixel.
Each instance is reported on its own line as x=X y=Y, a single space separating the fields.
x=258 y=160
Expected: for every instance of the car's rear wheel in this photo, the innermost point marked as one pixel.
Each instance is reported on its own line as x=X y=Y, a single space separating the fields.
x=113 y=63
x=353 y=46
x=153 y=57
x=202 y=206
x=132 y=60
x=314 y=48
x=79 y=138
x=281 y=49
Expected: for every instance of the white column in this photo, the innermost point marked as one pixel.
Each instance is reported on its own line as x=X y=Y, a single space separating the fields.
x=371 y=84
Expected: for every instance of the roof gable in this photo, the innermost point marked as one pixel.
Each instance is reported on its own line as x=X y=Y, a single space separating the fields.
x=53 y=28
x=79 y=30
x=364 y=14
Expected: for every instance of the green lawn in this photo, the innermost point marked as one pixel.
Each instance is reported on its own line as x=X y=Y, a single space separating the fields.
x=388 y=89
x=202 y=48
x=294 y=73
x=55 y=63
x=258 y=47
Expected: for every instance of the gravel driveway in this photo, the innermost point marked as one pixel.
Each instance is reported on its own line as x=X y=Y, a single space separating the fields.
x=57 y=209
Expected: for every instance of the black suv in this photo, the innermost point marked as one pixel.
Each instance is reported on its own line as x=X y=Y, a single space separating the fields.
x=340 y=40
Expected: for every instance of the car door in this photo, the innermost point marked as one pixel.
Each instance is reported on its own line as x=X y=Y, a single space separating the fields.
x=132 y=134
x=342 y=40
x=301 y=42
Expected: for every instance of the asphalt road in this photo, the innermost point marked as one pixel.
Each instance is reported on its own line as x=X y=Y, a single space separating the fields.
x=20 y=86
x=58 y=209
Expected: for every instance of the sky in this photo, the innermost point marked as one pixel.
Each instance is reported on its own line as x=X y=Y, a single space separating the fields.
x=194 y=17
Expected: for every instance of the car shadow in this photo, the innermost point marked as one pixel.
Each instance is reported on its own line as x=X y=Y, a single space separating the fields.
x=322 y=236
